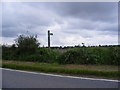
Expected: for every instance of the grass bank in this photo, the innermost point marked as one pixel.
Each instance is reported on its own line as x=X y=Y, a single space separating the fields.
x=76 y=70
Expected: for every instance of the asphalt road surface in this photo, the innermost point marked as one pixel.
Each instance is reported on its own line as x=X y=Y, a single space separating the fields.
x=23 y=79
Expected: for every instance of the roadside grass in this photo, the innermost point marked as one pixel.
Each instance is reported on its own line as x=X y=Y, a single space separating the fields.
x=75 y=70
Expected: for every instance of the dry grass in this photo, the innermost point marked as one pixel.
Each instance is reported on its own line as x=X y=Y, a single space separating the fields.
x=94 y=67
x=94 y=71
x=60 y=50
x=91 y=67
x=17 y=62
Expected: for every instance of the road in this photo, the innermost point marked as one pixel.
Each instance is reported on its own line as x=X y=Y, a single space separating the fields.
x=24 y=79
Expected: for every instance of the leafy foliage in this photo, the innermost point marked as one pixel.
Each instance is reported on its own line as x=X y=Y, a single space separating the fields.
x=28 y=44
x=91 y=55
x=26 y=48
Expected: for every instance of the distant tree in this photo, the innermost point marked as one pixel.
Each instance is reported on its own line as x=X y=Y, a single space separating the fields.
x=83 y=44
x=27 y=44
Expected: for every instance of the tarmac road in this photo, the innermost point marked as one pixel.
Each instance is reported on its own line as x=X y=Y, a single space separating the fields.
x=25 y=79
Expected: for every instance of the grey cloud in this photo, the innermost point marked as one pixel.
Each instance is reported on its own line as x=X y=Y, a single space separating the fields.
x=77 y=24
x=91 y=13
x=12 y=31
x=87 y=10
x=84 y=35
x=18 y=17
x=71 y=17
x=98 y=11
x=9 y=32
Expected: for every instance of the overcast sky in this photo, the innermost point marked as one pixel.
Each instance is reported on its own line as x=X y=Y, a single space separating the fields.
x=72 y=23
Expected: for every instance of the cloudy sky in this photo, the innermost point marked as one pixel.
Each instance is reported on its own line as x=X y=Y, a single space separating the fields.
x=72 y=23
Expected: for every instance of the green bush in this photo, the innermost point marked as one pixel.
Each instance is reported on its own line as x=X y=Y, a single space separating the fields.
x=81 y=55
x=42 y=55
x=90 y=55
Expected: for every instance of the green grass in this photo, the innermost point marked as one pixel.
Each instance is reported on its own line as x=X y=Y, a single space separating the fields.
x=54 y=68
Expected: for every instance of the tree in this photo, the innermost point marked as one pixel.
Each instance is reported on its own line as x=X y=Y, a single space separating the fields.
x=27 y=44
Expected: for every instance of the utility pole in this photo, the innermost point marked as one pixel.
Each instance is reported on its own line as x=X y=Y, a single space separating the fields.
x=49 y=38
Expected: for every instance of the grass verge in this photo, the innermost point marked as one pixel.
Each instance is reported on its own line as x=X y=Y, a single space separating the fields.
x=68 y=71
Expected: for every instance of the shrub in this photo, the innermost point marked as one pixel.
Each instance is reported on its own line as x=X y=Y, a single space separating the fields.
x=81 y=55
x=90 y=55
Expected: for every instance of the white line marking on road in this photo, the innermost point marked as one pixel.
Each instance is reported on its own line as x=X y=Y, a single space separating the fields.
x=60 y=75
